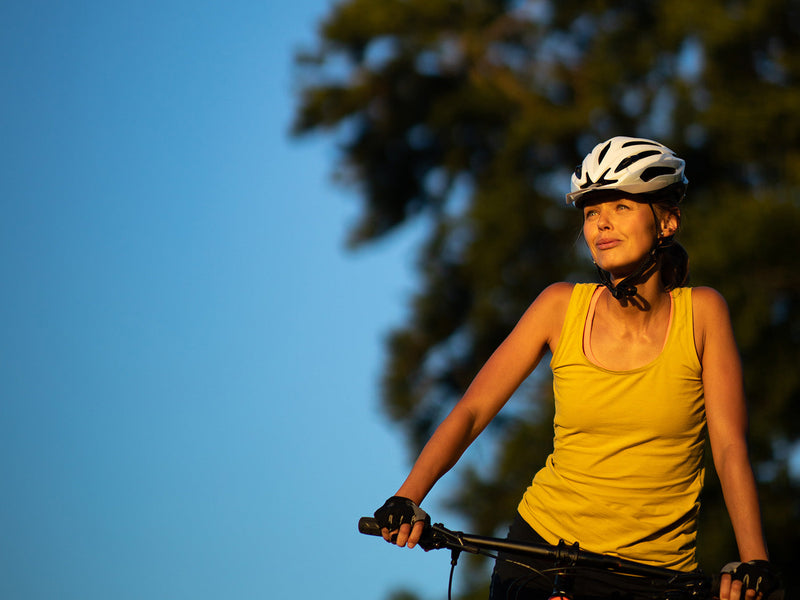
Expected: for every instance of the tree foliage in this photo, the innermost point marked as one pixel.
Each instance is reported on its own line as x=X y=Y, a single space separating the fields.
x=471 y=114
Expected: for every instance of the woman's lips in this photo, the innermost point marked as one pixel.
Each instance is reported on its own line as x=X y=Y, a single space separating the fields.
x=605 y=244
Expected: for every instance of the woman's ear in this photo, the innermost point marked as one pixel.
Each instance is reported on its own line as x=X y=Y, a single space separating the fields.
x=671 y=222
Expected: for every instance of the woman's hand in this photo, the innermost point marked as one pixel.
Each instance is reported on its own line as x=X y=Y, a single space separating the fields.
x=402 y=521
x=754 y=580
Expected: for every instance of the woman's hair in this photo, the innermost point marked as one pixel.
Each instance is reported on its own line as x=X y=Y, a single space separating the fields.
x=673 y=258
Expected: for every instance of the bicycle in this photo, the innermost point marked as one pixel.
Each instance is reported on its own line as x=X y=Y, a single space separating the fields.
x=569 y=562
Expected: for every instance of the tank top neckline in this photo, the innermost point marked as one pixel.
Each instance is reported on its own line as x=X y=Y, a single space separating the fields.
x=586 y=330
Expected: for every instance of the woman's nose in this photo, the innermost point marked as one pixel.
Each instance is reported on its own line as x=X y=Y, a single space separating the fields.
x=602 y=220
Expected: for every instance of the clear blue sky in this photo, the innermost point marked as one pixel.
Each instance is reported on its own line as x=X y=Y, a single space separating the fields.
x=189 y=359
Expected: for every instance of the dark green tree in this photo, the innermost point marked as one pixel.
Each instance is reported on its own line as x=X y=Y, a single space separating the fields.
x=471 y=114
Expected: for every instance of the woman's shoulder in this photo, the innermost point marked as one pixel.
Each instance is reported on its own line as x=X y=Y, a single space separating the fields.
x=708 y=302
x=557 y=294
x=551 y=303
x=560 y=288
x=711 y=317
x=554 y=301
x=545 y=316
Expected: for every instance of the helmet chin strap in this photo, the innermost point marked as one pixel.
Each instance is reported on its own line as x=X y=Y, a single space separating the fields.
x=626 y=289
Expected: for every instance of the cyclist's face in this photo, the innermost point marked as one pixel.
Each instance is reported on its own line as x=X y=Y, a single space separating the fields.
x=619 y=233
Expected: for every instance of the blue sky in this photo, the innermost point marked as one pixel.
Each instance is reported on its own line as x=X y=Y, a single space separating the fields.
x=189 y=361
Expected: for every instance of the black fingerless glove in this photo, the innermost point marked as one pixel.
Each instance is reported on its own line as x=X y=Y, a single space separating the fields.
x=398 y=510
x=758 y=575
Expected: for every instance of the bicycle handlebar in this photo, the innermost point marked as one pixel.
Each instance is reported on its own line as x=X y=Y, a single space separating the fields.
x=437 y=536
x=562 y=555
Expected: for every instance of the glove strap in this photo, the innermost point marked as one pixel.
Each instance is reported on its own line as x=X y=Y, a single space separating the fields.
x=397 y=511
x=758 y=575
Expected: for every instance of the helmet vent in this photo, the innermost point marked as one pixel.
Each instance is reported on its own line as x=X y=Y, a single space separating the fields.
x=602 y=154
x=640 y=143
x=624 y=164
x=653 y=172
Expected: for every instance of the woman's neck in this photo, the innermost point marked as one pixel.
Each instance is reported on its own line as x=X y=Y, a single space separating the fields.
x=651 y=297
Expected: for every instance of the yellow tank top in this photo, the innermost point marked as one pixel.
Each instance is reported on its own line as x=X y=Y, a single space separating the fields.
x=626 y=470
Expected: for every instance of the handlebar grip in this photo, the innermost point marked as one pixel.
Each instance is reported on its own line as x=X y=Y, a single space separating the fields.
x=369 y=526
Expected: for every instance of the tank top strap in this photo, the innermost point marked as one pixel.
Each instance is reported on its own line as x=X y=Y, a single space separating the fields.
x=570 y=344
x=682 y=333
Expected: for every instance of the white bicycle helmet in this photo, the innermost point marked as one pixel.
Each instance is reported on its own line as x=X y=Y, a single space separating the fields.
x=627 y=164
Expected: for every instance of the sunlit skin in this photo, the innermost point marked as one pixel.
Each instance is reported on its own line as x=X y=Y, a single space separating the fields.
x=620 y=233
x=624 y=335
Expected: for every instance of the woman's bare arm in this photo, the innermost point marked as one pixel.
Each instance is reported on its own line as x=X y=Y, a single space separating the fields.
x=506 y=369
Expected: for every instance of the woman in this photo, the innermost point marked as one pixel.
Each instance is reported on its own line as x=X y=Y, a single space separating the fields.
x=642 y=368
